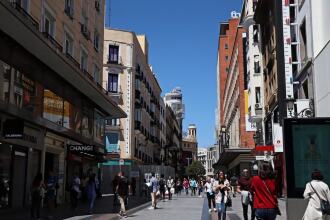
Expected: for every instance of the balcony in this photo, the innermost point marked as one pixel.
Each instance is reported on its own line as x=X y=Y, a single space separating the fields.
x=137 y=125
x=85 y=32
x=57 y=46
x=69 y=11
x=23 y=29
x=137 y=95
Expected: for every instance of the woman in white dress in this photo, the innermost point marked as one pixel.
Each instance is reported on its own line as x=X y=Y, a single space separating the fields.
x=315 y=189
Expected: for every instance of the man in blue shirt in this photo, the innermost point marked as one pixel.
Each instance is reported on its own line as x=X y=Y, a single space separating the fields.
x=154 y=189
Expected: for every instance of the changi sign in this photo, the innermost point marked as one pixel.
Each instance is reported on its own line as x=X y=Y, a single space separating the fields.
x=80 y=148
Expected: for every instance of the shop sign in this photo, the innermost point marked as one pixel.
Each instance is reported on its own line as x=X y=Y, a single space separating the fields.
x=81 y=148
x=13 y=128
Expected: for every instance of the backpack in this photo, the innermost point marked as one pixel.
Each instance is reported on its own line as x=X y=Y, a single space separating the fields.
x=161 y=183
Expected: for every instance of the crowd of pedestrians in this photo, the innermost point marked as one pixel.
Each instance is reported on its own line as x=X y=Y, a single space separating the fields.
x=257 y=193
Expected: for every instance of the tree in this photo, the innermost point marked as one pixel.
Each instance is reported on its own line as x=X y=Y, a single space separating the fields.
x=195 y=169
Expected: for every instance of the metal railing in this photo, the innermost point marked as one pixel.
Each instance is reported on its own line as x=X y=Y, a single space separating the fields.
x=19 y=8
x=56 y=46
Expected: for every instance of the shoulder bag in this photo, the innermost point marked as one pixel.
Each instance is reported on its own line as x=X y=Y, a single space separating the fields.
x=278 y=211
x=325 y=205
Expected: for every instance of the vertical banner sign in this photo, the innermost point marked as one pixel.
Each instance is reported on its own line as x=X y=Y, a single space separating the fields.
x=287 y=50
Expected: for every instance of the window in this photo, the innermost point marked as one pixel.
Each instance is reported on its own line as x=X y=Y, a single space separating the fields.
x=25 y=5
x=256 y=64
x=68 y=44
x=305 y=89
x=303 y=42
x=227 y=70
x=96 y=73
x=83 y=60
x=226 y=58
x=112 y=142
x=53 y=108
x=113 y=83
x=113 y=54
x=226 y=46
x=255 y=34
x=258 y=95
x=49 y=24
x=97 y=5
x=113 y=122
x=69 y=8
x=96 y=40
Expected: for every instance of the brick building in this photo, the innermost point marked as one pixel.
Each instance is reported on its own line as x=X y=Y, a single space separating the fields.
x=235 y=139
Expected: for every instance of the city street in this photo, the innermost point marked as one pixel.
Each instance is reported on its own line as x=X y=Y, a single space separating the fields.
x=180 y=207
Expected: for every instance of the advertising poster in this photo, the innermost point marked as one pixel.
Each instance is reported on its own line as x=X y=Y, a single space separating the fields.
x=311 y=150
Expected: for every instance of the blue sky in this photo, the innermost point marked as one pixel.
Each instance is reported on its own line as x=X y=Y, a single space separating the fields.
x=183 y=39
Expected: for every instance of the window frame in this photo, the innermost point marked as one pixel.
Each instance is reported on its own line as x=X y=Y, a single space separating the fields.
x=111 y=83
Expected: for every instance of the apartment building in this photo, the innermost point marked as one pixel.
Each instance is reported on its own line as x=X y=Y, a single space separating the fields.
x=174 y=99
x=189 y=146
x=173 y=145
x=232 y=92
x=201 y=156
x=52 y=106
x=129 y=78
x=211 y=159
x=254 y=76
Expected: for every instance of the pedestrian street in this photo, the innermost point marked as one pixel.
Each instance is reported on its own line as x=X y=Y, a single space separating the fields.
x=180 y=208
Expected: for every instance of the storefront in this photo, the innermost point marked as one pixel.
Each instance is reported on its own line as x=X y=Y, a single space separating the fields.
x=83 y=159
x=20 y=161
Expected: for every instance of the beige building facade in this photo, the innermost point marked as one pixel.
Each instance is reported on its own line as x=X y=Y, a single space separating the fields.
x=129 y=78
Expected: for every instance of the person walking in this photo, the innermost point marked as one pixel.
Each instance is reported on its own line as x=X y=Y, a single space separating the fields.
x=200 y=187
x=91 y=192
x=193 y=186
x=233 y=184
x=51 y=185
x=178 y=187
x=210 y=193
x=162 y=185
x=263 y=187
x=37 y=193
x=244 y=185
x=221 y=188
x=74 y=191
x=186 y=185
x=115 y=182
x=170 y=187
x=154 y=189
x=123 y=189
x=316 y=190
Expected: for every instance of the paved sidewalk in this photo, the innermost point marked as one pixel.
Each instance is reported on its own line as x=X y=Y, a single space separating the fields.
x=103 y=209
x=179 y=208
x=236 y=211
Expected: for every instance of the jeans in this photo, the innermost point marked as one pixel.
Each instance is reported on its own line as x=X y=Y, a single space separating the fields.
x=91 y=201
x=221 y=207
x=211 y=198
x=74 y=199
x=245 y=211
x=266 y=214
x=169 y=193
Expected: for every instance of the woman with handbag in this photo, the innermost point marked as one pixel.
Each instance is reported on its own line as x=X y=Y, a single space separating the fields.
x=316 y=191
x=221 y=188
x=263 y=187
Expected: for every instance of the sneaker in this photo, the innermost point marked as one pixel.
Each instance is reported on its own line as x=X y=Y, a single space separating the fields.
x=151 y=207
x=215 y=209
x=210 y=210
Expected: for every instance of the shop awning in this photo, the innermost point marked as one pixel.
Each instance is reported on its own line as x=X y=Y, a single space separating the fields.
x=229 y=155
